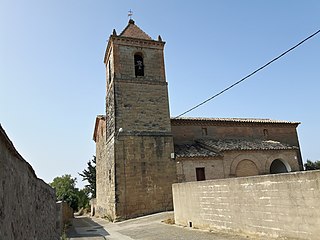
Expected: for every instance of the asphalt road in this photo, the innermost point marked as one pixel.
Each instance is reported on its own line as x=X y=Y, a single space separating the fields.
x=145 y=228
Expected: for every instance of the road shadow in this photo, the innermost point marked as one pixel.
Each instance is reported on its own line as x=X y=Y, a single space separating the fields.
x=84 y=227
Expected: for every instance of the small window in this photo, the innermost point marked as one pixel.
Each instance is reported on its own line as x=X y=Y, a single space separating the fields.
x=265 y=133
x=110 y=175
x=204 y=131
x=109 y=72
x=138 y=65
x=200 y=174
x=143 y=168
x=101 y=132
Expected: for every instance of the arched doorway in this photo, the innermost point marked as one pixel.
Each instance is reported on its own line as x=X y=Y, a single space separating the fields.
x=279 y=166
x=246 y=168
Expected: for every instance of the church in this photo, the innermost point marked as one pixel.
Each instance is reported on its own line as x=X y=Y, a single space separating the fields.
x=141 y=151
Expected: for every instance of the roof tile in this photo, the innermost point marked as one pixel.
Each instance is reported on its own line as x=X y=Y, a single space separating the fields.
x=193 y=150
x=133 y=31
x=241 y=144
x=234 y=120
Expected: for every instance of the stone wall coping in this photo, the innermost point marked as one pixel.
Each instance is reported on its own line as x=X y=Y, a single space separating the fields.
x=14 y=151
x=98 y=118
x=274 y=177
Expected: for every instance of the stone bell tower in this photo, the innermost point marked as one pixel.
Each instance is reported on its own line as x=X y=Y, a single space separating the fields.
x=135 y=170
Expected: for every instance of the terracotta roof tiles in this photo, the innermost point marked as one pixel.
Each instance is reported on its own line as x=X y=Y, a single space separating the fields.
x=240 y=144
x=193 y=150
x=133 y=31
x=214 y=148
x=229 y=120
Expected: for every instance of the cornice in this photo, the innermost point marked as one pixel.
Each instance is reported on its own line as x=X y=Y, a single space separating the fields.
x=230 y=122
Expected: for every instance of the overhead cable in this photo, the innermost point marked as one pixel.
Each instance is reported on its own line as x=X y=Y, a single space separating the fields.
x=249 y=75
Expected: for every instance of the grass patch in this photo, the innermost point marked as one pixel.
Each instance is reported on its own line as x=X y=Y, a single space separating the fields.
x=169 y=221
x=108 y=217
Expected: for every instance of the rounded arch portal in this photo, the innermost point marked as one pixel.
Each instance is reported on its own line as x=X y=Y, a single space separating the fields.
x=246 y=168
x=279 y=166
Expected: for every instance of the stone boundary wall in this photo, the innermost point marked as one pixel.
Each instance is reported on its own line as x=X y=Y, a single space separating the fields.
x=280 y=205
x=93 y=205
x=64 y=216
x=27 y=204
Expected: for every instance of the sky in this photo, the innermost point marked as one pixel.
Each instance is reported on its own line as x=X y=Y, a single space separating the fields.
x=52 y=76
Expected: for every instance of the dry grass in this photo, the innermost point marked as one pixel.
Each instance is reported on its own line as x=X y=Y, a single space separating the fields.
x=169 y=221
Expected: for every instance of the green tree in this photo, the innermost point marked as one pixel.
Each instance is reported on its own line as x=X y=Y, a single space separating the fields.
x=66 y=190
x=89 y=175
x=309 y=165
x=83 y=195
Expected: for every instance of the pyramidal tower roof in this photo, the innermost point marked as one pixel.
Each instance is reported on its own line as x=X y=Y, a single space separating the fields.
x=133 y=31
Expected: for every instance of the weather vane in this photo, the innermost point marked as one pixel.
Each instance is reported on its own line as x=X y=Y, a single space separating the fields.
x=130 y=13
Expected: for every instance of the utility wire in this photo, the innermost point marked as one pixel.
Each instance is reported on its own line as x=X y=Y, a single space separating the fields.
x=254 y=72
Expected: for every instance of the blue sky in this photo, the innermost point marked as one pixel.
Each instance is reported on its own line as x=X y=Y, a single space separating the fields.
x=52 y=77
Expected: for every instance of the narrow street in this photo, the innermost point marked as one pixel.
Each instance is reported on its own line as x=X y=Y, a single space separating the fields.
x=145 y=228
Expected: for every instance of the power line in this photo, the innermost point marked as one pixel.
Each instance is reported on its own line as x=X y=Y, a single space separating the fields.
x=249 y=75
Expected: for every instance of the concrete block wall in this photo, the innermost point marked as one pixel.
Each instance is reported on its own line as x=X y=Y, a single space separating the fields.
x=27 y=204
x=280 y=205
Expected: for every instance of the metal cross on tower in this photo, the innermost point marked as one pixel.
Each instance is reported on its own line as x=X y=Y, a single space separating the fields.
x=130 y=13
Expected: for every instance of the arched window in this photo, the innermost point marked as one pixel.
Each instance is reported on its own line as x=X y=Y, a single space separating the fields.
x=138 y=65
x=266 y=133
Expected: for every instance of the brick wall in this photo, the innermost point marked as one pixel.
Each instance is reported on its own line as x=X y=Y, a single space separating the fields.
x=281 y=205
x=27 y=204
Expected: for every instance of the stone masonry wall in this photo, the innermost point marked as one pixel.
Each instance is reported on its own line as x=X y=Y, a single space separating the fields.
x=280 y=205
x=143 y=168
x=141 y=103
x=142 y=107
x=186 y=169
x=64 y=215
x=285 y=133
x=27 y=204
x=281 y=132
x=105 y=167
x=216 y=168
x=145 y=173
x=153 y=59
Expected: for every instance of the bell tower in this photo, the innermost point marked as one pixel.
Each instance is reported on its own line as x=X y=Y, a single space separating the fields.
x=136 y=171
